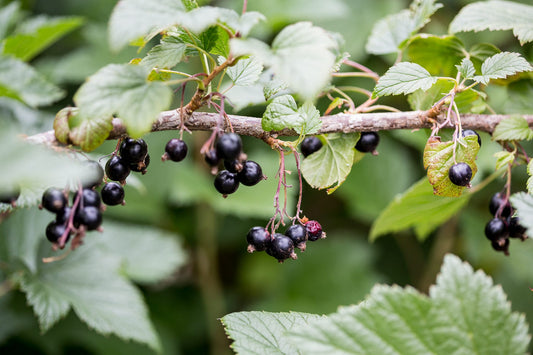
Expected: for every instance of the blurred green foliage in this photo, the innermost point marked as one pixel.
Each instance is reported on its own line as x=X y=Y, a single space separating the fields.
x=221 y=277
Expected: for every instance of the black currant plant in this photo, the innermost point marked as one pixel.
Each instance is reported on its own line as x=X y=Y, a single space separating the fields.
x=448 y=85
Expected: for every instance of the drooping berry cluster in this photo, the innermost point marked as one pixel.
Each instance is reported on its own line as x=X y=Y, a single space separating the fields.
x=237 y=169
x=503 y=226
x=281 y=246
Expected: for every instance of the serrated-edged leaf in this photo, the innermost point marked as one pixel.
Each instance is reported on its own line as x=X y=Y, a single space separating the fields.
x=22 y=82
x=245 y=72
x=312 y=122
x=496 y=15
x=123 y=89
x=37 y=34
x=389 y=33
x=156 y=255
x=439 y=158
x=262 y=332
x=437 y=54
x=215 y=40
x=512 y=128
x=503 y=158
x=530 y=179
x=424 y=100
x=501 y=65
x=404 y=78
x=281 y=113
x=190 y=4
x=466 y=69
x=417 y=208
x=166 y=54
x=332 y=163
x=463 y=315
x=523 y=204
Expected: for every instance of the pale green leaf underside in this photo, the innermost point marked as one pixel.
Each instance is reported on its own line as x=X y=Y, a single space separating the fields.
x=417 y=208
x=122 y=89
x=512 y=128
x=501 y=65
x=22 y=82
x=404 y=78
x=245 y=73
x=262 y=332
x=523 y=203
x=466 y=69
x=332 y=163
x=494 y=16
x=465 y=314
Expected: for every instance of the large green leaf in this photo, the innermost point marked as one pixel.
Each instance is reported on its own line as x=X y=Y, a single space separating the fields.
x=417 y=208
x=501 y=65
x=404 y=78
x=389 y=33
x=245 y=72
x=283 y=112
x=166 y=54
x=123 y=89
x=37 y=34
x=496 y=15
x=437 y=54
x=464 y=314
x=466 y=101
x=332 y=163
x=512 y=128
x=439 y=158
x=20 y=81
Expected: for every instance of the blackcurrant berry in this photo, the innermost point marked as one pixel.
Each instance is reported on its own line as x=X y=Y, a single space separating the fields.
x=471 y=132
x=90 y=217
x=310 y=145
x=112 y=194
x=250 y=174
x=233 y=166
x=175 y=150
x=495 y=229
x=10 y=196
x=314 y=231
x=258 y=239
x=211 y=157
x=281 y=248
x=140 y=167
x=229 y=146
x=98 y=172
x=298 y=235
x=501 y=244
x=89 y=197
x=496 y=203
x=55 y=230
x=54 y=200
x=63 y=215
x=368 y=142
x=226 y=183
x=133 y=150
x=516 y=230
x=460 y=174
x=117 y=169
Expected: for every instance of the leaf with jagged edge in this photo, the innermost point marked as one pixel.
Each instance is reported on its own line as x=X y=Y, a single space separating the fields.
x=166 y=54
x=503 y=159
x=332 y=163
x=404 y=78
x=245 y=72
x=523 y=205
x=437 y=54
x=466 y=69
x=439 y=158
x=502 y=65
x=494 y=16
x=512 y=129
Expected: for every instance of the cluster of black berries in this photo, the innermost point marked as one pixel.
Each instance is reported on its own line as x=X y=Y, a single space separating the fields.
x=503 y=226
x=460 y=174
x=281 y=246
x=367 y=143
x=237 y=169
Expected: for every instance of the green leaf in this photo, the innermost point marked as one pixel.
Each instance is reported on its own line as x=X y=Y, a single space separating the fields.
x=437 y=54
x=390 y=33
x=417 y=208
x=281 y=113
x=424 y=100
x=123 y=89
x=439 y=157
x=190 y=4
x=519 y=100
x=245 y=72
x=494 y=16
x=466 y=69
x=20 y=81
x=262 y=332
x=404 y=78
x=332 y=163
x=215 y=40
x=8 y=15
x=503 y=159
x=311 y=119
x=523 y=204
x=511 y=129
x=530 y=179
x=90 y=133
x=166 y=54
x=464 y=314
x=37 y=34
x=501 y=65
